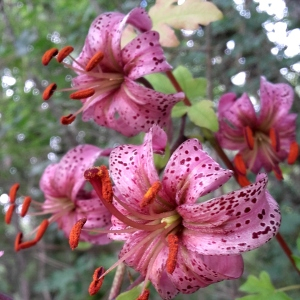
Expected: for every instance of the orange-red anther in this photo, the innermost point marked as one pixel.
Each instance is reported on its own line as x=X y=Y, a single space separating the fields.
x=275 y=142
x=49 y=91
x=144 y=295
x=97 y=281
x=48 y=55
x=243 y=180
x=66 y=120
x=42 y=229
x=75 y=233
x=25 y=206
x=13 y=192
x=150 y=195
x=94 y=61
x=82 y=94
x=18 y=241
x=63 y=53
x=9 y=213
x=240 y=164
x=27 y=244
x=294 y=153
x=277 y=172
x=173 y=251
x=248 y=133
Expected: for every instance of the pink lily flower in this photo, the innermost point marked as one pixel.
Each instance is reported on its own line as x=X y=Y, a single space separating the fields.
x=109 y=77
x=67 y=201
x=262 y=139
x=174 y=239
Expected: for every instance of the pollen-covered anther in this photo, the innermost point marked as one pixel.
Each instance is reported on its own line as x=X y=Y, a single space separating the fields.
x=48 y=55
x=97 y=281
x=49 y=91
x=248 y=134
x=150 y=195
x=82 y=94
x=275 y=142
x=13 y=192
x=75 y=233
x=25 y=206
x=27 y=244
x=42 y=229
x=9 y=213
x=173 y=251
x=278 y=173
x=96 y=59
x=18 y=241
x=243 y=180
x=67 y=120
x=240 y=164
x=107 y=190
x=63 y=53
x=294 y=153
x=144 y=295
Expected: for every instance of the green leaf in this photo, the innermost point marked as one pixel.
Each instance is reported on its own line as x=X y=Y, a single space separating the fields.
x=261 y=288
x=189 y=15
x=296 y=260
x=161 y=83
x=202 y=114
x=132 y=294
x=160 y=161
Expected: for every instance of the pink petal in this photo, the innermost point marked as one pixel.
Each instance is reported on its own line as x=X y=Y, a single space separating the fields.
x=225 y=103
x=237 y=222
x=144 y=55
x=191 y=173
x=276 y=100
x=137 y=163
x=134 y=108
x=48 y=182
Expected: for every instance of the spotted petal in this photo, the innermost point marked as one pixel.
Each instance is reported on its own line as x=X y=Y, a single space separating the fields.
x=234 y=223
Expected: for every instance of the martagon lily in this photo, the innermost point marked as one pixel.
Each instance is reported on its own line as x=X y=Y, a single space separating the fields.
x=265 y=138
x=67 y=200
x=109 y=77
x=172 y=237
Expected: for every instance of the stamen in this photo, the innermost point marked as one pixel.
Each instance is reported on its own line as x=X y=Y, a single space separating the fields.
x=63 y=53
x=240 y=164
x=49 y=91
x=82 y=94
x=25 y=206
x=18 y=241
x=144 y=295
x=277 y=172
x=75 y=233
x=102 y=174
x=275 y=142
x=173 y=251
x=150 y=195
x=94 y=61
x=66 y=120
x=48 y=55
x=243 y=180
x=12 y=192
x=42 y=229
x=9 y=213
x=27 y=244
x=97 y=281
x=248 y=134
x=294 y=153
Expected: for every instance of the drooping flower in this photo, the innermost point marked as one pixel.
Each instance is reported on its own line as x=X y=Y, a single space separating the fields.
x=265 y=138
x=67 y=200
x=172 y=239
x=107 y=81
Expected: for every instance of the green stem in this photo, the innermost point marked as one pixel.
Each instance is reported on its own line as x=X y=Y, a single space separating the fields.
x=289 y=288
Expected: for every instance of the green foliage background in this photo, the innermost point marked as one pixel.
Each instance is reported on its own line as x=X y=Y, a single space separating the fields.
x=31 y=135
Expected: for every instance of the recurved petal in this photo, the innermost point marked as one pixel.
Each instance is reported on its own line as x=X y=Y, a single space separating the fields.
x=134 y=108
x=225 y=103
x=48 y=182
x=237 y=222
x=137 y=163
x=192 y=173
x=276 y=100
x=144 y=55
x=68 y=177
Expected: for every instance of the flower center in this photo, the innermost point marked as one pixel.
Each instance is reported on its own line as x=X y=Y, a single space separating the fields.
x=91 y=82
